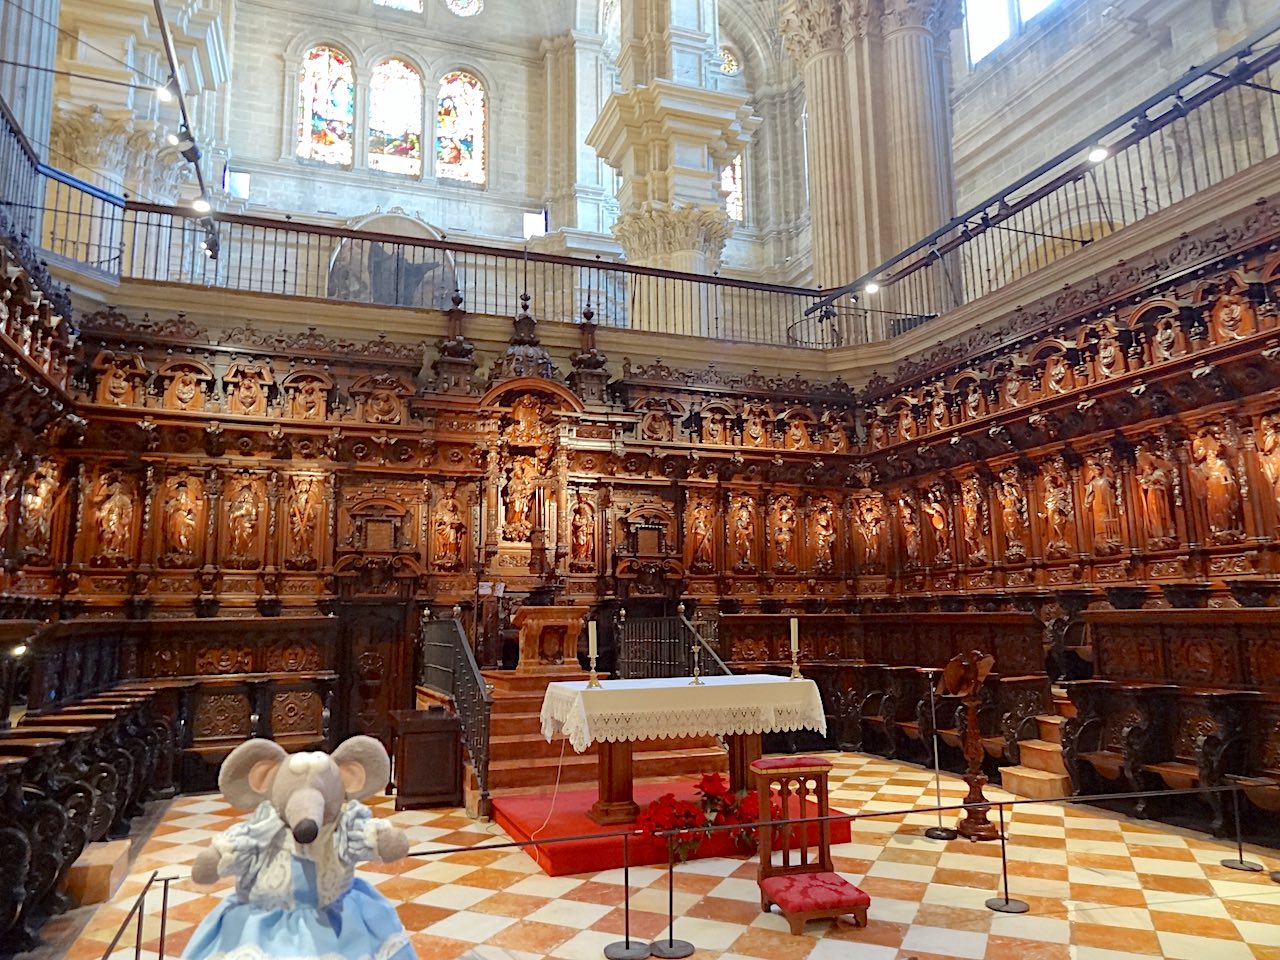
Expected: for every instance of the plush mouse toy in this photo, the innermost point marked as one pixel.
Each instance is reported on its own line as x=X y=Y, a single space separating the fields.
x=294 y=859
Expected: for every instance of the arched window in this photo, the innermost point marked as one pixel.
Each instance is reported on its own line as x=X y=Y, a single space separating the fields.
x=460 y=128
x=731 y=187
x=395 y=118
x=413 y=6
x=730 y=65
x=464 y=8
x=326 y=109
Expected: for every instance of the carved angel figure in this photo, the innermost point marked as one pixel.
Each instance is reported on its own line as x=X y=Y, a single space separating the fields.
x=1013 y=513
x=242 y=521
x=1155 y=480
x=784 y=531
x=934 y=507
x=703 y=548
x=303 y=511
x=824 y=535
x=1058 y=512
x=1216 y=482
x=583 y=533
x=977 y=520
x=1102 y=502
x=114 y=513
x=180 y=518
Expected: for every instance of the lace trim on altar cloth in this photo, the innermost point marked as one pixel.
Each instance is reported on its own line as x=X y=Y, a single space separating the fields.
x=707 y=722
x=390 y=947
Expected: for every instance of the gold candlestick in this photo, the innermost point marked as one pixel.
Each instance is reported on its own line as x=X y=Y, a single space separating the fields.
x=696 y=650
x=594 y=682
x=795 y=665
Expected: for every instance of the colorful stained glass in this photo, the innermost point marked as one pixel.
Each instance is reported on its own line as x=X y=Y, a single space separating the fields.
x=413 y=6
x=464 y=8
x=460 y=128
x=729 y=64
x=731 y=187
x=327 y=107
x=395 y=118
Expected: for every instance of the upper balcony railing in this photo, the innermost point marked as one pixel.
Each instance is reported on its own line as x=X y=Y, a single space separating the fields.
x=1216 y=121
x=1219 y=120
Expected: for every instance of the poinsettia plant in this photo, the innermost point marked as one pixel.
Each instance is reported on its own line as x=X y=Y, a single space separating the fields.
x=718 y=805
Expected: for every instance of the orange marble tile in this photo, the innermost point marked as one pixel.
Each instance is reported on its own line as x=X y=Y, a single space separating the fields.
x=894 y=889
x=405 y=888
x=491 y=879
x=1108 y=938
x=1009 y=948
x=531 y=936
x=927 y=858
x=1254 y=910
x=506 y=904
x=609 y=894
x=771 y=945
x=877 y=932
x=1112 y=896
x=724 y=909
x=644 y=925
x=1214 y=927
x=419 y=916
x=695 y=883
x=966 y=878
x=1160 y=852
x=977 y=920
x=1099 y=861
x=1041 y=871
x=428 y=947
x=1188 y=885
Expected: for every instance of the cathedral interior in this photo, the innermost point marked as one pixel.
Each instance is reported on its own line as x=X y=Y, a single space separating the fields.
x=339 y=338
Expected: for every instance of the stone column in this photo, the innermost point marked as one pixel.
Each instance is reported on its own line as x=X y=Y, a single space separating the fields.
x=839 y=139
x=669 y=136
x=918 y=112
x=29 y=35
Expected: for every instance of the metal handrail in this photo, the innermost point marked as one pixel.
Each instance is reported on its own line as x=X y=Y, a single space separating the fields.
x=721 y=668
x=449 y=667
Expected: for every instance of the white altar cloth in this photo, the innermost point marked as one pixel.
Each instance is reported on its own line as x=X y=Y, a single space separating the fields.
x=649 y=709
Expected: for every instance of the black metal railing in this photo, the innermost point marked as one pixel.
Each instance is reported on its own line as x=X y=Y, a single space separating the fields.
x=449 y=667
x=20 y=179
x=1216 y=121
x=663 y=647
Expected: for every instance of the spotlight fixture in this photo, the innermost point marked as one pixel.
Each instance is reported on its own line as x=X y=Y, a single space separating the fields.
x=1098 y=154
x=19 y=650
x=200 y=205
x=169 y=92
x=872 y=287
x=173 y=139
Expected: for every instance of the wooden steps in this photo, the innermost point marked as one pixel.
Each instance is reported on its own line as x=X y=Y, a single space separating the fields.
x=1042 y=774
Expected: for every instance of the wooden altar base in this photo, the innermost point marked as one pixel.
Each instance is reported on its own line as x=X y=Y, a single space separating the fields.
x=522 y=815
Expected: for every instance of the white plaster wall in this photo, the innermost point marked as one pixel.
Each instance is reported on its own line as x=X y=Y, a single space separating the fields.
x=1074 y=68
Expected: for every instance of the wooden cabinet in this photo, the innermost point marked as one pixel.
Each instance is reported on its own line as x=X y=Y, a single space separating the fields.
x=426 y=756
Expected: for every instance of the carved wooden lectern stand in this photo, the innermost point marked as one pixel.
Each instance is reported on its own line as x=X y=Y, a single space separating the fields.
x=963 y=677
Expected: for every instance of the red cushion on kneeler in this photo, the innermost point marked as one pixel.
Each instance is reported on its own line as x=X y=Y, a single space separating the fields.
x=798 y=892
x=808 y=764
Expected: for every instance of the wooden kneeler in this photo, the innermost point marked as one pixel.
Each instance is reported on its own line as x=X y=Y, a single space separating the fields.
x=802 y=884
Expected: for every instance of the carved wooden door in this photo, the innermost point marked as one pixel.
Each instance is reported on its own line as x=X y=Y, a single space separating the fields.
x=377 y=658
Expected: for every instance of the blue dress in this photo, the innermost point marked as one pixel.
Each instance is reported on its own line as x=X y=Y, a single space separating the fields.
x=300 y=901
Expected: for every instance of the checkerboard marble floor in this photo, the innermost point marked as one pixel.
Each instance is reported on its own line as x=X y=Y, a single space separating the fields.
x=1100 y=886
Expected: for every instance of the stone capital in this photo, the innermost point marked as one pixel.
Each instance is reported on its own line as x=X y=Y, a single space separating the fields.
x=653 y=235
x=938 y=17
x=813 y=27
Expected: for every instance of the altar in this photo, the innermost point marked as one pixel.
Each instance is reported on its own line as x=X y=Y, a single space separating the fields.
x=739 y=708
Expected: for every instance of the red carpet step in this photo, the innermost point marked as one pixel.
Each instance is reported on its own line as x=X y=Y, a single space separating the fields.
x=523 y=815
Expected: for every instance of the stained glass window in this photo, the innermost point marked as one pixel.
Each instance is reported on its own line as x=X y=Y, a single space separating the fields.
x=326 y=107
x=464 y=8
x=731 y=187
x=395 y=118
x=413 y=6
x=460 y=128
x=729 y=64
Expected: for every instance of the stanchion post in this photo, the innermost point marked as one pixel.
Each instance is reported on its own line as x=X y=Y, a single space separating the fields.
x=142 y=913
x=164 y=914
x=1240 y=863
x=1004 y=904
x=671 y=948
x=625 y=949
x=939 y=832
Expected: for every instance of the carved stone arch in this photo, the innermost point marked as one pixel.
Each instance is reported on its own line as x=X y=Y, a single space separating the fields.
x=386 y=265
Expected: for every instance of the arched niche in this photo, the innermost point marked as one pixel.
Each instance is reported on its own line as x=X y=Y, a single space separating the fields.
x=381 y=268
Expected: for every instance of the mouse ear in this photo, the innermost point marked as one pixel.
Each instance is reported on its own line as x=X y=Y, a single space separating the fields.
x=247 y=773
x=364 y=765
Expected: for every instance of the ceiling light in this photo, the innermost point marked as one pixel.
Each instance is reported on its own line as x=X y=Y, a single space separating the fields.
x=200 y=205
x=173 y=139
x=872 y=287
x=1098 y=154
x=168 y=92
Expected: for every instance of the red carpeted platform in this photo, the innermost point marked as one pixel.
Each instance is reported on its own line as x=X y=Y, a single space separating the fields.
x=521 y=816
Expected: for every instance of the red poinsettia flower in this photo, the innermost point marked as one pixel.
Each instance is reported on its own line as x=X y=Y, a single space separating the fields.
x=713 y=786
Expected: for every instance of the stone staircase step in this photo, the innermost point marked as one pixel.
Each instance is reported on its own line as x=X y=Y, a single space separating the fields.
x=1051 y=727
x=503 y=724
x=523 y=745
x=1035 y=784
x=1042 y=755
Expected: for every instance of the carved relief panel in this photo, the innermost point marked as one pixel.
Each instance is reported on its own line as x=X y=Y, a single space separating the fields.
x=36 y=511
x=1268 y=447
x=304 y=526
x=1014 y=518
x=115 y=507
x=869 y=541
x=582 y=533
x=121 y=379
x=1216 y=483
x=975 y=527
x=742 y=532
x=307 y=395
x=1103 y=504
x=1057 y=510
x=701 y=534
x=184 y=384
x=909 y=537
x=783 y=530
x=1159 y=494
x=822 y=534
x=381 y=399
x=247 y=384
x=245 y=522
x=935 y=507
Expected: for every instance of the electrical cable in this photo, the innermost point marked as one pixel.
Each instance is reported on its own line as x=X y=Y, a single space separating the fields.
x=84 y=43
x=555 y=792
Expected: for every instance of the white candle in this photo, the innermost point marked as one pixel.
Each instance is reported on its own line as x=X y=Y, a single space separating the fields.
x=591 y=639
x=795 y=635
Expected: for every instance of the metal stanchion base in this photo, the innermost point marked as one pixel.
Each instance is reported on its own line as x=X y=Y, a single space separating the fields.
x=624 y=951
x=1001 y=905
x=1248 y=866
x=1275 y=876
x=941 y=833
x=671 y=949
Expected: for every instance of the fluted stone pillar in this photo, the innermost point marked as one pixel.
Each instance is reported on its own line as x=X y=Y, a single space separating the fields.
x=29 y=35
x=919 y=115
x=843 y=182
